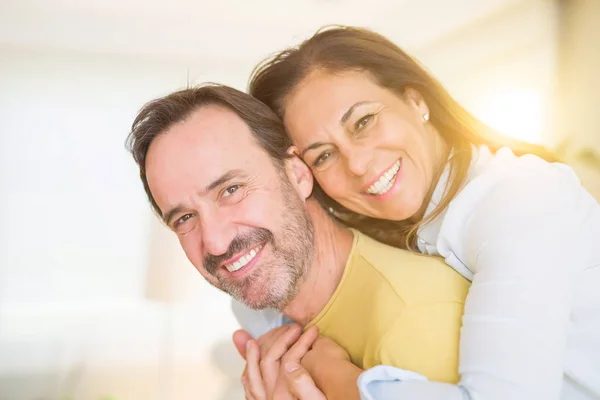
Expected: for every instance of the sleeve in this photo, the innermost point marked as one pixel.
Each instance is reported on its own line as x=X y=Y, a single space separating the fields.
x=521 y=241
x=257 y=322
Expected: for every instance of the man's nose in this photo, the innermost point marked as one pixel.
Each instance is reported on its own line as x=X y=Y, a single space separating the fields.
x=217 y=233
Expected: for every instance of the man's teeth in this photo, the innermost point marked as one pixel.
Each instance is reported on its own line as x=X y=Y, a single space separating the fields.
x=386 y=181
x=243 y=260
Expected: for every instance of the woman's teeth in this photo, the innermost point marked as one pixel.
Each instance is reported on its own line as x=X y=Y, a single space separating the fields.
x=243 y=260
x=386 y=181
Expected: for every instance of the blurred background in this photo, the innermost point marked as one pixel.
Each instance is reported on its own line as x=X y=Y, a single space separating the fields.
x=97 y=301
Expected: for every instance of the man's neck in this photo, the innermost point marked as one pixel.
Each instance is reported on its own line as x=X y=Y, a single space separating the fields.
x=333 y=244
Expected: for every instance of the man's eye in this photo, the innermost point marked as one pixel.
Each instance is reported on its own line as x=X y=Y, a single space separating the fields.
x=183 y=224
x=230 y=190
x=183 y=219
x=363 y=122
x=321 y=159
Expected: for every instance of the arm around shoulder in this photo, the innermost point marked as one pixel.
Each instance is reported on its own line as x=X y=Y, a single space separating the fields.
x=521 y=241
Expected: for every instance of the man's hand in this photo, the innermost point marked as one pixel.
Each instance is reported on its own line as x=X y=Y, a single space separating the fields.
x=263 y=377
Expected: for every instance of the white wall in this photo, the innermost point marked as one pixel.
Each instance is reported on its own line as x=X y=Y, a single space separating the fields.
x=579 y=90
x=503 y=68
x=76 y=232
x=580 y=82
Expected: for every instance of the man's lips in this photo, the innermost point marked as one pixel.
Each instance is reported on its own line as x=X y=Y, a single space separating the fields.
x=243 y=259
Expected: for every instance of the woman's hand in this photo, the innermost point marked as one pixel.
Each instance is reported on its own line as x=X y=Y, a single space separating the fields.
x=323 y=351
x=329 y=365
x=264 y=376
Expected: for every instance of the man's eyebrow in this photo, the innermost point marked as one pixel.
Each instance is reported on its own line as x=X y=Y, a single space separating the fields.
x=226 y=177
x=168 y=216
x=348 y=113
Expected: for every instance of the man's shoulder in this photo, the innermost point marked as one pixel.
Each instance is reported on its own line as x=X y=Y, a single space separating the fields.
x=412 y=276
x=386 y=258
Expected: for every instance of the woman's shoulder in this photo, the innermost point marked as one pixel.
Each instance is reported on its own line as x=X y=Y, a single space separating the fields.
x=519 y=195
x=518 y=202
x=506 y=180
x=504 y=166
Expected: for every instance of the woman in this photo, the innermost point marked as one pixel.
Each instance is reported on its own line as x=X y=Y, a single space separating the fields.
x=397 y=158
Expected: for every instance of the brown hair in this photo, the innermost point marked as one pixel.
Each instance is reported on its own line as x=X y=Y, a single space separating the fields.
x=337 y=49
x=160 y=114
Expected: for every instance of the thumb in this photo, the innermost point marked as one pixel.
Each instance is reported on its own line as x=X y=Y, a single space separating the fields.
x=300 y=383
x=240 y=339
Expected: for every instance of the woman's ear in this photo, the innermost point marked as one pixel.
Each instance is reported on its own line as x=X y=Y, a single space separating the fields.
x=414 y=98
x=299 y=173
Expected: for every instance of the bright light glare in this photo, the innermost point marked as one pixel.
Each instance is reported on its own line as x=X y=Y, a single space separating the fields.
x=514 y=113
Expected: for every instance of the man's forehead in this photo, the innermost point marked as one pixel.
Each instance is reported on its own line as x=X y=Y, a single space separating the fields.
x=213 y=140
x=209 y=131
x=218 y=122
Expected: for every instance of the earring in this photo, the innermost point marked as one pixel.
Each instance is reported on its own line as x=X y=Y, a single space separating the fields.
x=426 y=117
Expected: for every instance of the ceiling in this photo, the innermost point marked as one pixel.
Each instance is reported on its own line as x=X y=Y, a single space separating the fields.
x=225 y=30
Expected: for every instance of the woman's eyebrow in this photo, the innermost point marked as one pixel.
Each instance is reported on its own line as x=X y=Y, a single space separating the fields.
x=348 y=113
x=312 y=147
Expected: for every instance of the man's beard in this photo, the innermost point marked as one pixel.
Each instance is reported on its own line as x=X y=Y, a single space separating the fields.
x=273 y=283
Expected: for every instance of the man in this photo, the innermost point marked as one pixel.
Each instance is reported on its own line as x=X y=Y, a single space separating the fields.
x=217 y=168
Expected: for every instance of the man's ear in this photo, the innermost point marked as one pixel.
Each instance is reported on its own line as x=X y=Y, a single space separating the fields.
x=299 y=173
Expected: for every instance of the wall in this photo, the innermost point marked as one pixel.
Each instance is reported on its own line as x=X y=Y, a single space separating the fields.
x=579 y=91
x=77 y=310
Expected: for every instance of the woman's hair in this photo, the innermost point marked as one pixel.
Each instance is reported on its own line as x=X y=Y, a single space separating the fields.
x=338 y=49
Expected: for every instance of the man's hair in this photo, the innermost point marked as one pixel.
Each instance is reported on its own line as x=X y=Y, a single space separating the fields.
x=157 y=116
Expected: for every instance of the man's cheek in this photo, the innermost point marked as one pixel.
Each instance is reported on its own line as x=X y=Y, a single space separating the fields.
x=256 y=211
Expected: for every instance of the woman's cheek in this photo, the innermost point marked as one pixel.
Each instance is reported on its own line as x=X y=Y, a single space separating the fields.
x=333 y=184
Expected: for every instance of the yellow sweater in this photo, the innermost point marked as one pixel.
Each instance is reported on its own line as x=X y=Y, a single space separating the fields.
x=397 y=308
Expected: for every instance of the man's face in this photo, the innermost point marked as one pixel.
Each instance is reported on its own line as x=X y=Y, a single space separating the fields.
x=239 y=218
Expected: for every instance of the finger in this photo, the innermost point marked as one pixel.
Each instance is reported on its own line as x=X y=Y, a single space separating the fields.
x=245 y=376
x=266 y=341
x=270 y=358
x=247 y=394
x=280 y=346
x=254 y=376
x=302 y=345
x=300 y=383
x=240 y=338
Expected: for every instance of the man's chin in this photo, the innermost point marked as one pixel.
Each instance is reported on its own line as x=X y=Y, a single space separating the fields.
x=258 y=304
x=257 y=297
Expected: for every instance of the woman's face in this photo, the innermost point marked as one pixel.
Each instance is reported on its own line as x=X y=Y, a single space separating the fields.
x=370 y=150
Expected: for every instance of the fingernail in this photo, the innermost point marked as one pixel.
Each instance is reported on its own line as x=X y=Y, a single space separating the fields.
x=248 y=345
x=291 y=366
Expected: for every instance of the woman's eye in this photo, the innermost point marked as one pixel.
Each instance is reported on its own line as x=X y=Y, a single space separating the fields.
x=321 y=159
x=230 y=190
x=363 y=122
